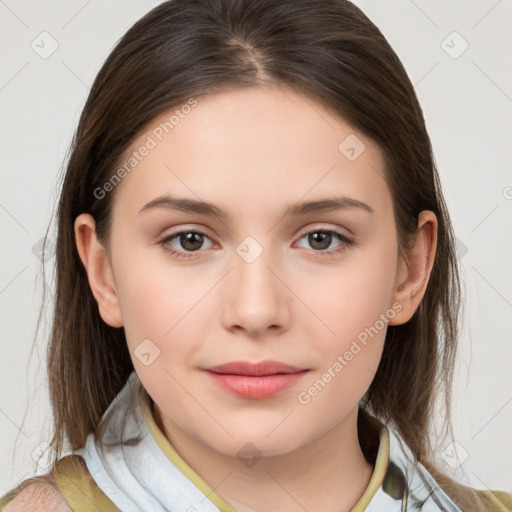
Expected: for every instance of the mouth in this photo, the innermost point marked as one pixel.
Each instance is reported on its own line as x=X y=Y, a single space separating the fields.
x=255 y=380
x=261 y=369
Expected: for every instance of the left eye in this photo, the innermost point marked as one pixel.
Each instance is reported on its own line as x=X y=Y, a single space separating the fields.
x=192 y=240
x=324 y=237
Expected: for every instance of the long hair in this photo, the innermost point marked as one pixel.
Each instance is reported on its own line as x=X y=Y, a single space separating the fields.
x=328 y=50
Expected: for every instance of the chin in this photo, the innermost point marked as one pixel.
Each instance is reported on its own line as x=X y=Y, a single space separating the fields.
x=246 y=445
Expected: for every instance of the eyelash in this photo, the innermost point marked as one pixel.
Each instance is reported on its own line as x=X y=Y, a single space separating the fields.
x=345 y=242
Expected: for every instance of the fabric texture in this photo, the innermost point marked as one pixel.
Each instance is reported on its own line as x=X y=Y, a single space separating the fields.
x=132 y=467
x=144 y=472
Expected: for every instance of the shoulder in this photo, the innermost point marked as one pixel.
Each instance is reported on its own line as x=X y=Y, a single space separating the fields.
x=499 y=501
x=68 y=487
x=38 y=494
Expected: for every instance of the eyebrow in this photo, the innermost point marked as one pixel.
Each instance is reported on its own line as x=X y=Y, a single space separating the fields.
x=301 y=208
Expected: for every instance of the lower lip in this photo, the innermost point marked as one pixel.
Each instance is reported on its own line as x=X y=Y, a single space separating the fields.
x=256 y=387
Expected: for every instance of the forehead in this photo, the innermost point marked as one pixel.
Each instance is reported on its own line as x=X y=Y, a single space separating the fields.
x=255 y=146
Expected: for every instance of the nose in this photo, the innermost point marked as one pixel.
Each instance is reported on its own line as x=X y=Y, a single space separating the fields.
x=256 y=297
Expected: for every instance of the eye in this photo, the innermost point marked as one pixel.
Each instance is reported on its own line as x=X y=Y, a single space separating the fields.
x=190 y=240
x=321 y=239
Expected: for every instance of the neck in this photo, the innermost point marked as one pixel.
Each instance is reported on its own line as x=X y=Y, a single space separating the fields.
x=334 y=463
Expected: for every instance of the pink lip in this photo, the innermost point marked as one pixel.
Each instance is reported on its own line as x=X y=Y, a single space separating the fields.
x=257 y=381
x=267 y=367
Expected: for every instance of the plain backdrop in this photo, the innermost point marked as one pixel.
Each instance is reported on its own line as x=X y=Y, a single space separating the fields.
x=457 y=55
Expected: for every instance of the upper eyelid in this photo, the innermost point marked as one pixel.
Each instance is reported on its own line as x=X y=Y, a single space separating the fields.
x=335 y=231
x=206 y=230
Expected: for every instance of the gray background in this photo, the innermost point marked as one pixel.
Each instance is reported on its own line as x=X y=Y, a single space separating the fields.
x=467 y=102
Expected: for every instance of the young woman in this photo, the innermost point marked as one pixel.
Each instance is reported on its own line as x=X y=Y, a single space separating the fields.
x=257 y=288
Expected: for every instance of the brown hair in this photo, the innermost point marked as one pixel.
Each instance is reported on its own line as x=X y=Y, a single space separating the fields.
x=328 y=50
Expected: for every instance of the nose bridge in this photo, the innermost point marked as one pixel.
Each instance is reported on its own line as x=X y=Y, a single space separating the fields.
x=252 y=262
x=256 y=295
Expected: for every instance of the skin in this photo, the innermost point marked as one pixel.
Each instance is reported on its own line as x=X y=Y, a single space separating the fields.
x=254 y=152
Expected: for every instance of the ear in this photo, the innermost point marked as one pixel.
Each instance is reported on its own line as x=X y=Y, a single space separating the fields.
x=413 y=272
x=99 y=271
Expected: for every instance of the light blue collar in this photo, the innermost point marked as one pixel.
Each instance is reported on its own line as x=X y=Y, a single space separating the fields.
x=136 y=475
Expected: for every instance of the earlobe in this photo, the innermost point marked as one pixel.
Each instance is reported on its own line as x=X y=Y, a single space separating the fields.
x=413 y=273
x=97 y=264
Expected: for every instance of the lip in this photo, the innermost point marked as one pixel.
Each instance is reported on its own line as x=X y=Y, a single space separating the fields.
x=255 y=380
x=262 y=368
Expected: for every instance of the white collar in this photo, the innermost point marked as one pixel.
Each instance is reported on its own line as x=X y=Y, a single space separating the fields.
x=137 y=475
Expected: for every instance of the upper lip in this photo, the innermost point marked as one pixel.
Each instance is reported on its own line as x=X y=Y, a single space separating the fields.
x=254 y=369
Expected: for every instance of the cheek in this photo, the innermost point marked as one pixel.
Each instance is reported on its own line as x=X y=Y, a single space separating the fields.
x=157 y=305
x=154 y=294
x=353 y=311
x=355 y=295
x=352 y=346
x=159 y=338
x=146 y=303
x=347 y=353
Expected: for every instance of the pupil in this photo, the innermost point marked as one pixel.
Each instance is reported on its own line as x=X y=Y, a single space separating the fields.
x=320 y=237
x=187 y=241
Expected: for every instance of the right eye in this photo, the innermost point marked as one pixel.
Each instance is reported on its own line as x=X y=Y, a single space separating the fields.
x=189 y=239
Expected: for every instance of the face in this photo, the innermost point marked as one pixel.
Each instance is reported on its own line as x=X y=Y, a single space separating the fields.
x=272 y=279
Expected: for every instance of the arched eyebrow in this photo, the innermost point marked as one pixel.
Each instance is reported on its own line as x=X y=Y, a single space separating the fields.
x=298 y=209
